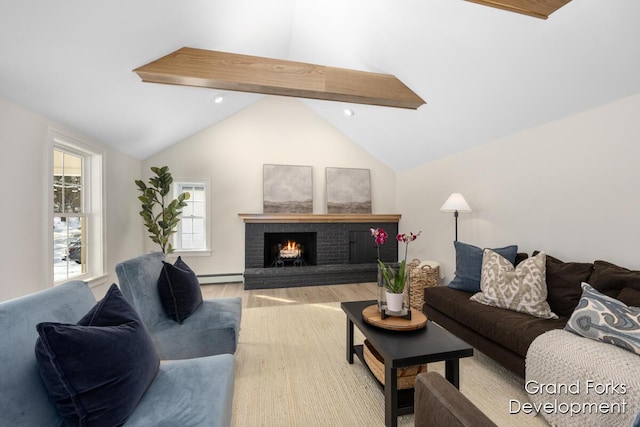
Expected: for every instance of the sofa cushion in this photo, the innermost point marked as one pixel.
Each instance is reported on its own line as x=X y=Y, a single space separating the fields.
x=563 y=284
x=520 y=288
x=630 y=297
x=179 y=290
x=603 y=318
x=469 y=265
x=610 y=279
x=97 y=370
x=520 y=256
x=194 y=392
x=510 y=329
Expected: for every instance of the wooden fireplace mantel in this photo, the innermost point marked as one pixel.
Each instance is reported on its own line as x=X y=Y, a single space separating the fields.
x=324 y=218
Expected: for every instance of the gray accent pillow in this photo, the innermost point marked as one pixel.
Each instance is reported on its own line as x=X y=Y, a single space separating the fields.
x=603 y=318
x=521 y=288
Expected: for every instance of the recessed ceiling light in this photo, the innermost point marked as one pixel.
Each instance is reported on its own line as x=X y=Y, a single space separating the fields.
x=349 y=112
x=218 y=99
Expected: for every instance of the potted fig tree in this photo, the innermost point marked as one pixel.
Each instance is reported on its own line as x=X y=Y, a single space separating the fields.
x=160 y=214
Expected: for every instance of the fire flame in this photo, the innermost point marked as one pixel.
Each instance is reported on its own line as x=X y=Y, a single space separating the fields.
x=290 y=250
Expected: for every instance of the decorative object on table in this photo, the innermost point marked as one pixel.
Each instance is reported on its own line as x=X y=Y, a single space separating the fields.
x=375 y=362
x=163 y=224
x=287 y=189
x=348 y=190
x=424 y=274
x=455 y=203
x=373 y=316
x=394 y=284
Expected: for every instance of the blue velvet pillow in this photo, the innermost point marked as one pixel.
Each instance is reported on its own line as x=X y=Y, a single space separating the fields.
x=469 y=265
x=179 y=290
x=97 y=371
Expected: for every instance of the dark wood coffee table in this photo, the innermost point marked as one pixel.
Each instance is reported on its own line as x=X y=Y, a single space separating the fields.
x=401 y=349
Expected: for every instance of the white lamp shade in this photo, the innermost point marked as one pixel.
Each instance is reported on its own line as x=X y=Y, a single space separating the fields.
x=454 y=203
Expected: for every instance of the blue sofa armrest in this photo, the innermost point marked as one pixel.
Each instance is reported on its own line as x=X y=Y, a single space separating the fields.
x=23 y=397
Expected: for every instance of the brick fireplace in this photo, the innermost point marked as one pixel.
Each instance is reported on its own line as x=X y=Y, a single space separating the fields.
x=331 y=249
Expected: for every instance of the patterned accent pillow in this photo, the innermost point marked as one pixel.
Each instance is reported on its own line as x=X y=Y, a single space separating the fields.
x=522 y=288
x=606 y=319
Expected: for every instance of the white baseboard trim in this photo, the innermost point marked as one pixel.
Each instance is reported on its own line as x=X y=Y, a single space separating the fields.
x=213 y=279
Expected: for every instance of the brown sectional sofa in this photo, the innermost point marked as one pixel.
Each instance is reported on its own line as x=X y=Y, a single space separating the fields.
x=505 y=335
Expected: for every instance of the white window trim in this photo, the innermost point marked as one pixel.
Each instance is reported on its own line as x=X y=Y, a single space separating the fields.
x=206 y=182
x=95 y=182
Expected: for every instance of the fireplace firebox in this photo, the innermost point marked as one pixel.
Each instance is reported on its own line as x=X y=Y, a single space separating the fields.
x=291 y=249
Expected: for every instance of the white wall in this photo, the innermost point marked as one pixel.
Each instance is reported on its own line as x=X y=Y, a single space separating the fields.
x=25 y=193
x=570 y=188
x=232 y=153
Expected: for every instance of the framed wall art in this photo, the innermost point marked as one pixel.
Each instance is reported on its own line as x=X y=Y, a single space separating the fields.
x=287 y=189
x=348 y=190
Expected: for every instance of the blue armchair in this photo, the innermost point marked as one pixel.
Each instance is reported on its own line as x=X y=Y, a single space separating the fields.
x=194 y=392
x=212 y=329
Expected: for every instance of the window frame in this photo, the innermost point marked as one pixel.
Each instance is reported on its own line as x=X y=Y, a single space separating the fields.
x=179 y=183
x=93 y=204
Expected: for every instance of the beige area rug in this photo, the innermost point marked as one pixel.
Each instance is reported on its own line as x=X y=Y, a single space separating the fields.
x=291 y=370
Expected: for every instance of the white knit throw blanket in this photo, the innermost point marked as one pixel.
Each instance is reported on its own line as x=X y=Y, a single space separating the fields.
x=576 y=381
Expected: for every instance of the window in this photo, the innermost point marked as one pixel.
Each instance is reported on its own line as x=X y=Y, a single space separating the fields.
x=69 y=216
x=193 y=229
x=76 y=211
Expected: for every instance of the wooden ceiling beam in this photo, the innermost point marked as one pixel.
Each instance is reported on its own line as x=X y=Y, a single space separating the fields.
x=536 y=8
x=229 y=71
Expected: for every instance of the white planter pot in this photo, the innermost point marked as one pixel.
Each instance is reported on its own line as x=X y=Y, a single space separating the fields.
x=394 y=302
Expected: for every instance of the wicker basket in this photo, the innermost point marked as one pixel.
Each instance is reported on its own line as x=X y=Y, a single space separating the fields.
x=421 y=277
x=406 y=376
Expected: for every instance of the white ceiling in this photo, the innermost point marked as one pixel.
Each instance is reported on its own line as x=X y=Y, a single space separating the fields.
x=484 y=72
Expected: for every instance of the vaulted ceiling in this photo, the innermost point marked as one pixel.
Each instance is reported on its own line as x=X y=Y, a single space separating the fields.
x=484 y=72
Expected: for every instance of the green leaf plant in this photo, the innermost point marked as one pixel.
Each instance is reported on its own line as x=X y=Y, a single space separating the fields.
x=160 y=215
x=394 y=280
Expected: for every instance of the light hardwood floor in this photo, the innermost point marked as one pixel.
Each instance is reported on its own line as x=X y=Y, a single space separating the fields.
x=287 y=296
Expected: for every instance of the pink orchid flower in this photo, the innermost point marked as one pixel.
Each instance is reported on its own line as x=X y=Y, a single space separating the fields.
x=380 y=235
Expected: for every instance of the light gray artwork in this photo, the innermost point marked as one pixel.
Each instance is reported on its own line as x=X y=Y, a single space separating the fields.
x=348 y=190
x=287 y=189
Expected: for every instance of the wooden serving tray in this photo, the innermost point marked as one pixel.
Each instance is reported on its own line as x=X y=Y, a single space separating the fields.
x=371 y=315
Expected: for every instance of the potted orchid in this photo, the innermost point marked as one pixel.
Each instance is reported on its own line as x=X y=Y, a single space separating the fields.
x=393 y=277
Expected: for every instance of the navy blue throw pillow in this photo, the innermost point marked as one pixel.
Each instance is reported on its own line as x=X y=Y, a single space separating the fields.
x=469 y=265
x=97 y=371
x=179 y=290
